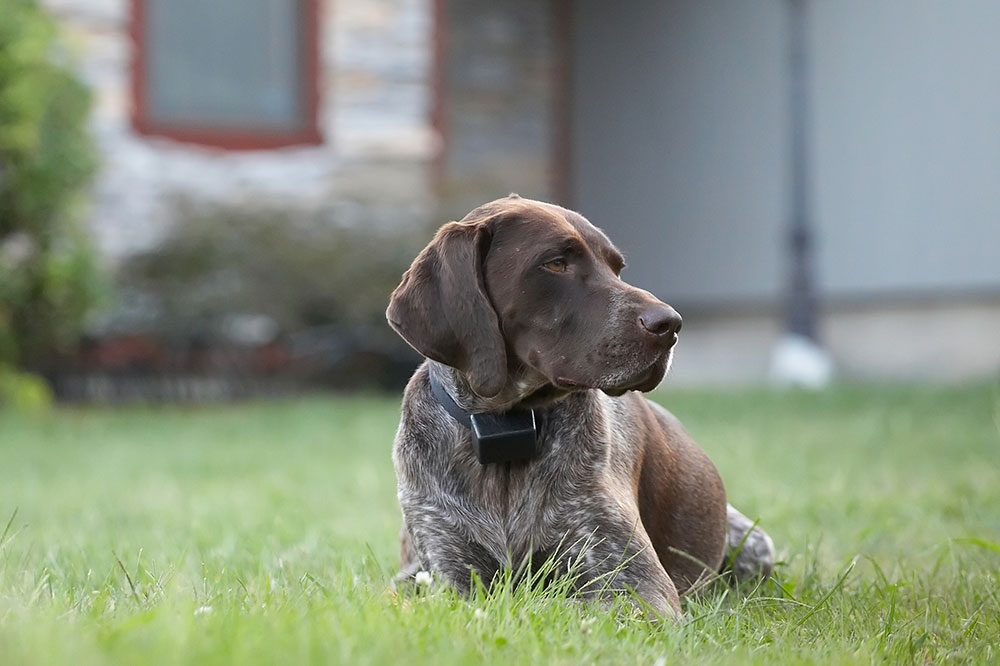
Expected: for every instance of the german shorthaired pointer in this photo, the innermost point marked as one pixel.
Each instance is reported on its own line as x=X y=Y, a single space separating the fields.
x=524 y=436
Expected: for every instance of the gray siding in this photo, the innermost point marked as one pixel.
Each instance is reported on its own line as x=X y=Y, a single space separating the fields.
x=680 y=143
x=907 y=139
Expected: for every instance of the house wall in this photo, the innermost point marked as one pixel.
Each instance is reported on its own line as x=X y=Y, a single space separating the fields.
x=946 y=339
x=680 y=143
x=680 y=136
x=907 y=145
x=499 y=83
x=376 y=68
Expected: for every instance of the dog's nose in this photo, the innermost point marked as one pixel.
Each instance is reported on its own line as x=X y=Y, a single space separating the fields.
x=660 y=320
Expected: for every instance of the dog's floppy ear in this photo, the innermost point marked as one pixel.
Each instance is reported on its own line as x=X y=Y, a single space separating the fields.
x=441 y=308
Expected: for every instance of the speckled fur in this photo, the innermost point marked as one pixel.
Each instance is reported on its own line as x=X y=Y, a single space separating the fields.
x=576 y=499
x=618 y=489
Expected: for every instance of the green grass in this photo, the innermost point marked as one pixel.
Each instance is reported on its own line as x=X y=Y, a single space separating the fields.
x=266 y=533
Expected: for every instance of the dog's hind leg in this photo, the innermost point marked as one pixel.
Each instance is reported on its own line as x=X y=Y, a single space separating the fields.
x=749 y=550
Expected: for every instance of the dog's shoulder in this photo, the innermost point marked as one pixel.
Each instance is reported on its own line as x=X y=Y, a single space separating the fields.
x=423 y=424
x=663 y=416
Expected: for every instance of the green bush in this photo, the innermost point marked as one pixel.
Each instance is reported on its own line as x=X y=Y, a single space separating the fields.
x=48 y=271
x=24 y=392
x=300 y=269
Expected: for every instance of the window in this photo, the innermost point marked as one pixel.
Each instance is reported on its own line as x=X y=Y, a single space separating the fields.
x=239 y=74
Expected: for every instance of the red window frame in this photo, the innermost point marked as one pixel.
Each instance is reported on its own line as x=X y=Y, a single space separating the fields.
x=236 y=139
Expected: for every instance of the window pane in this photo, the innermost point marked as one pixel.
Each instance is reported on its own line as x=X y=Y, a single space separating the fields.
x=224 y=64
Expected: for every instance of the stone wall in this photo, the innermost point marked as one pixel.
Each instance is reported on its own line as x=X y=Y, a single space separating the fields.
x=374 y=116
x=500 y=83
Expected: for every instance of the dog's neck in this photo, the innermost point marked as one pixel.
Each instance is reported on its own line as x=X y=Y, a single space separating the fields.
x=517 y=393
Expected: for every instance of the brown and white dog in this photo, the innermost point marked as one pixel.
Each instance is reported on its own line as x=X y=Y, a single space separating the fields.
x=520 y=309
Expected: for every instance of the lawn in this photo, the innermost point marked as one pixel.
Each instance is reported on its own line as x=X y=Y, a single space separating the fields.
x=266 y=533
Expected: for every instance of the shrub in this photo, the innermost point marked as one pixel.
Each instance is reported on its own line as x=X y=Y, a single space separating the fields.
x=298 y=268
x=320 y=286
x=48 y=272
x=24 y=392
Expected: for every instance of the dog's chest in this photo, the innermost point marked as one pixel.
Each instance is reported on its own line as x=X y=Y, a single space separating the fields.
x=520 y=508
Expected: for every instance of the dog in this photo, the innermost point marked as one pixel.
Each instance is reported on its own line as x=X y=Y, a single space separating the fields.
x=524 y=435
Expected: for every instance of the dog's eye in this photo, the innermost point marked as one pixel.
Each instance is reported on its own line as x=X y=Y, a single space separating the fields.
x=556 y=265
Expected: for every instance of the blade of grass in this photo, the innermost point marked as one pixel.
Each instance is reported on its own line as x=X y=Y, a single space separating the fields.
x=6 y=530
x=975 y=541
x=127 y=577
x=826 y=597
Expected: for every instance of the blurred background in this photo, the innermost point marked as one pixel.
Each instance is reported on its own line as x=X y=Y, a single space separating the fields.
x=211 y=200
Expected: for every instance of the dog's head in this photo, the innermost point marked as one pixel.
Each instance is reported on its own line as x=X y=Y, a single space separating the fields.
x=526 y=294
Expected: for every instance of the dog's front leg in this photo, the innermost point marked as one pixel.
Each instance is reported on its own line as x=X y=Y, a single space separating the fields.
x=619 y=557
x=441 y=545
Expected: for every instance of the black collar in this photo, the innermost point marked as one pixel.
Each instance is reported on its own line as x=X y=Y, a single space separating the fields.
x=496 y=437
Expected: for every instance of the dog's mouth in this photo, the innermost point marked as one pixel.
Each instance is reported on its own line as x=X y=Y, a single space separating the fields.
x=570 y=384
x=644 y=380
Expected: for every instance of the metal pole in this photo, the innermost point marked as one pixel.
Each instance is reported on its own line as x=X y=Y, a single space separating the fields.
x=801 y=312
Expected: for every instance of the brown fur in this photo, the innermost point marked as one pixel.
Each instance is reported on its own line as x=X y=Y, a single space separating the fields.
x=521 y=305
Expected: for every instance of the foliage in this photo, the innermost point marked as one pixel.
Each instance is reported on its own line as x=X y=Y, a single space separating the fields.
x=300 y=269
x=48 y=273
x=266 y=533
x=24 y=392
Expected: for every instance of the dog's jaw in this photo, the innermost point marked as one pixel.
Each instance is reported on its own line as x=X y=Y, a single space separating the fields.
x=528 y=387
x=523 y=389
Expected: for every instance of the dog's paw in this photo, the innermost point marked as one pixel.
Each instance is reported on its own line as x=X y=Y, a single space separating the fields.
x=411 y=577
